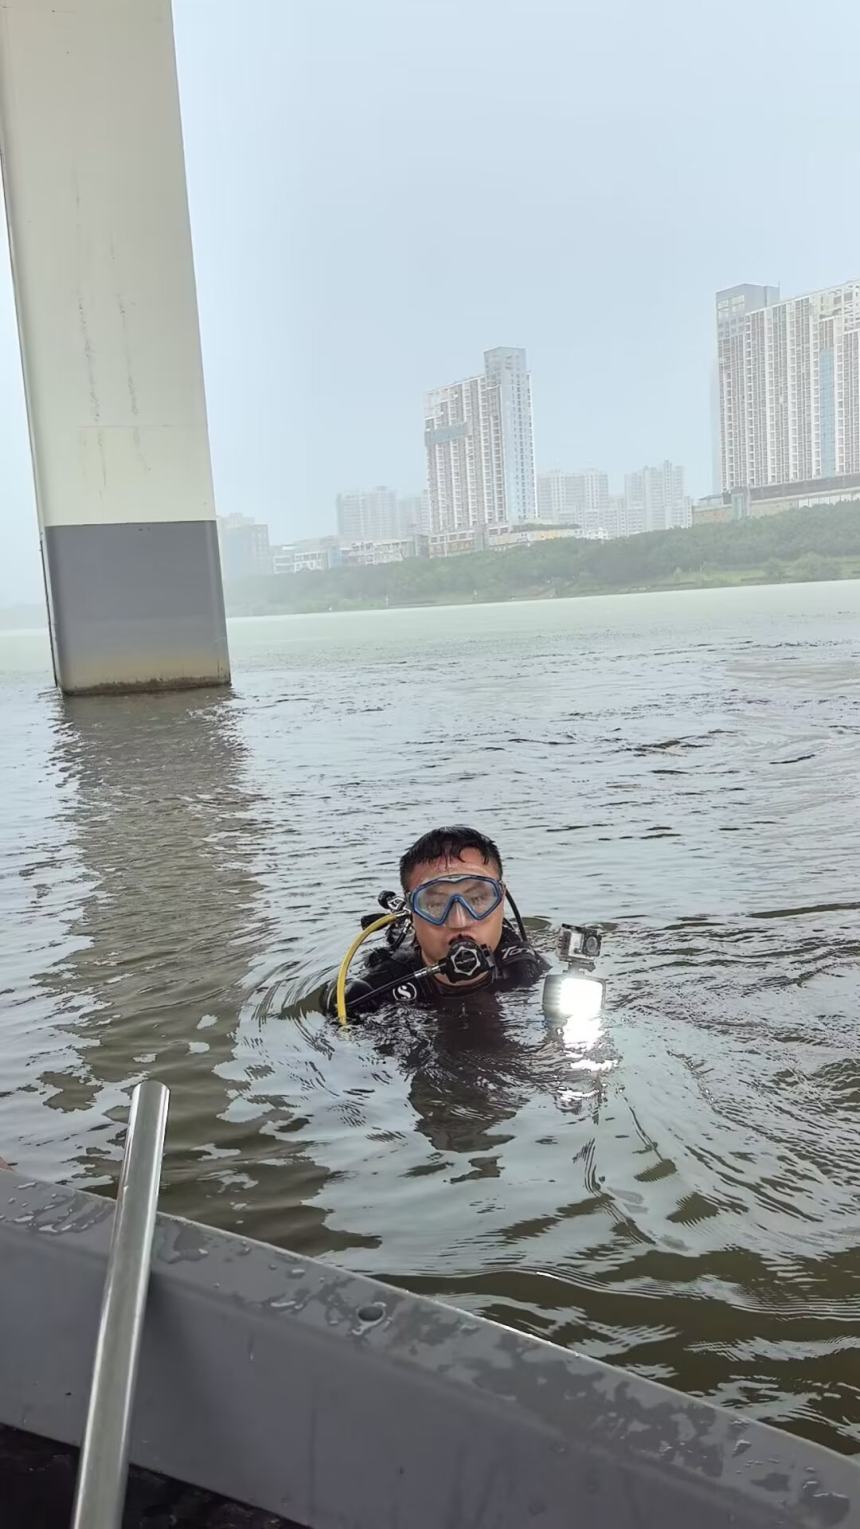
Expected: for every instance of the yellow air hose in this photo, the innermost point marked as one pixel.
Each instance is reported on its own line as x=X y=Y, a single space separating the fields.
x=340 y=990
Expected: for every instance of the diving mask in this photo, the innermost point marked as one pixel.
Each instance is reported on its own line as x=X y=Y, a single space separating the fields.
x=478 y=896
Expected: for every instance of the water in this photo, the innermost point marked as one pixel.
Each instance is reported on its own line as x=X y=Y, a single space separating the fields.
x=675 y=1188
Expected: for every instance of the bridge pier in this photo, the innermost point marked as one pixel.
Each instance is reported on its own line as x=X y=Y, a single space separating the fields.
x=96 y=204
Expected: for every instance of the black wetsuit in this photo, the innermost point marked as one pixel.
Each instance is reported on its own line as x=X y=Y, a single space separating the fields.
x=517 y=965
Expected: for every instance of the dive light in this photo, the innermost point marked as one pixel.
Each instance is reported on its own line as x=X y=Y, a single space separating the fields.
x=575 y=993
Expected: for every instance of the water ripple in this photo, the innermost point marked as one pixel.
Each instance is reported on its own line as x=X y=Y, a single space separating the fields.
x=674 y=1189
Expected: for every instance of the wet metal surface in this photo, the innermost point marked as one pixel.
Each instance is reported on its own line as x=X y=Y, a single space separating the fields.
x=675 y=1188
x=283 y=1383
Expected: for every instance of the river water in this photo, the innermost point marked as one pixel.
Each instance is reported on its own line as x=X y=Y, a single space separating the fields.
x=675 y=1188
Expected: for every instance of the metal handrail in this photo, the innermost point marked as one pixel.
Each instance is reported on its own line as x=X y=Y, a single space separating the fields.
x=103 y=1469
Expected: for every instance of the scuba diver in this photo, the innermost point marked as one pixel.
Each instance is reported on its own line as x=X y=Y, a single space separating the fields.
x=446 y=935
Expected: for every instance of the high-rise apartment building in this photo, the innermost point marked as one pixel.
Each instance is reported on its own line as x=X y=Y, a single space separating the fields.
x=635 y=519
x=595 y=500
x=733 y=306
x=480 y=447
x=789 y=375
x=413 y=513
x=506 y=369
x=244 y=545
x=654 y=500
x=555 y=498
x=574 y=498
x=368 y=515
x=616 y=516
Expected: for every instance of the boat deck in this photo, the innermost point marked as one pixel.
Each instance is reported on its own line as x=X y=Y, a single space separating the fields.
x=37 y=1484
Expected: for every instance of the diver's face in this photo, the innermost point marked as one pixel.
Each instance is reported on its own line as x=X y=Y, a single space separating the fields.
x=434 y=939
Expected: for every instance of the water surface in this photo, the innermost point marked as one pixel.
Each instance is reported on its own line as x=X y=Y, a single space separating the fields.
x=675 y=1189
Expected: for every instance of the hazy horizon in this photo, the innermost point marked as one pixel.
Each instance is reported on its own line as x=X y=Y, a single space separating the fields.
x=380 y=192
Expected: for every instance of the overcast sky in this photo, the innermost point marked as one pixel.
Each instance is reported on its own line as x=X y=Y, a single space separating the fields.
x=381 y=189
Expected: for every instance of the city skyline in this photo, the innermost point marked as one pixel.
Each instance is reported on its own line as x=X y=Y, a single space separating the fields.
x=781 y=364
x=786 y=409
x=757 y=333
x=367 y=216
x=653 y=498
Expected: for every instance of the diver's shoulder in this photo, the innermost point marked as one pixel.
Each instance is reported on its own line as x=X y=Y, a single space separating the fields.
x=380 y=970
x=518 y=959
x=379 y=964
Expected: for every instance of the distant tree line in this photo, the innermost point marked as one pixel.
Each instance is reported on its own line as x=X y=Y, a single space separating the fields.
x=823 y=543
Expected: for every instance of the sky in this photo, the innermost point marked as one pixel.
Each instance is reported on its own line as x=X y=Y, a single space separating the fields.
x=380 y=190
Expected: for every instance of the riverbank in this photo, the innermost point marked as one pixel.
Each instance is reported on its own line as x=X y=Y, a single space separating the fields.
x=837 y=570
x=802 y=546
x=832 y=569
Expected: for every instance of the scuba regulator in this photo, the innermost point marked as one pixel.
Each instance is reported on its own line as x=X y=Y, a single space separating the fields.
x=573 y=993
x=464 y=961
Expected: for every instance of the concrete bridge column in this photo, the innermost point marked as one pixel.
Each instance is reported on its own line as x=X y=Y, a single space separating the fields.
x=96 y=204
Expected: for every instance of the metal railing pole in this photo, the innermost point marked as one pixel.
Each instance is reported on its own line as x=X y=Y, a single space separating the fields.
x=103 y=1468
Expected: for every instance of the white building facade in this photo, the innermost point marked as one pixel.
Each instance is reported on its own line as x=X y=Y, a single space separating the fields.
x=654 y=500
x=368 y=515
x=789 y=385
x=479 y=446
x=574 y=498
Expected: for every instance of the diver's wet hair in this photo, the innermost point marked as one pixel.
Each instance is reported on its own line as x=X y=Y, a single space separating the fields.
x=448 y=844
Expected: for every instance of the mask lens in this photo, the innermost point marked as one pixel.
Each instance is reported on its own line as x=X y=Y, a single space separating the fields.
x=433 y=901
x=481 y=897
x=478 y=894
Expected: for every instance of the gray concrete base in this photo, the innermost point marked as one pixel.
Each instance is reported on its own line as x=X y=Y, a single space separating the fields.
x=136 y=607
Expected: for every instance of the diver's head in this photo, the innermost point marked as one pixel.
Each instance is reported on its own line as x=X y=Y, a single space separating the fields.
x=452 y=878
